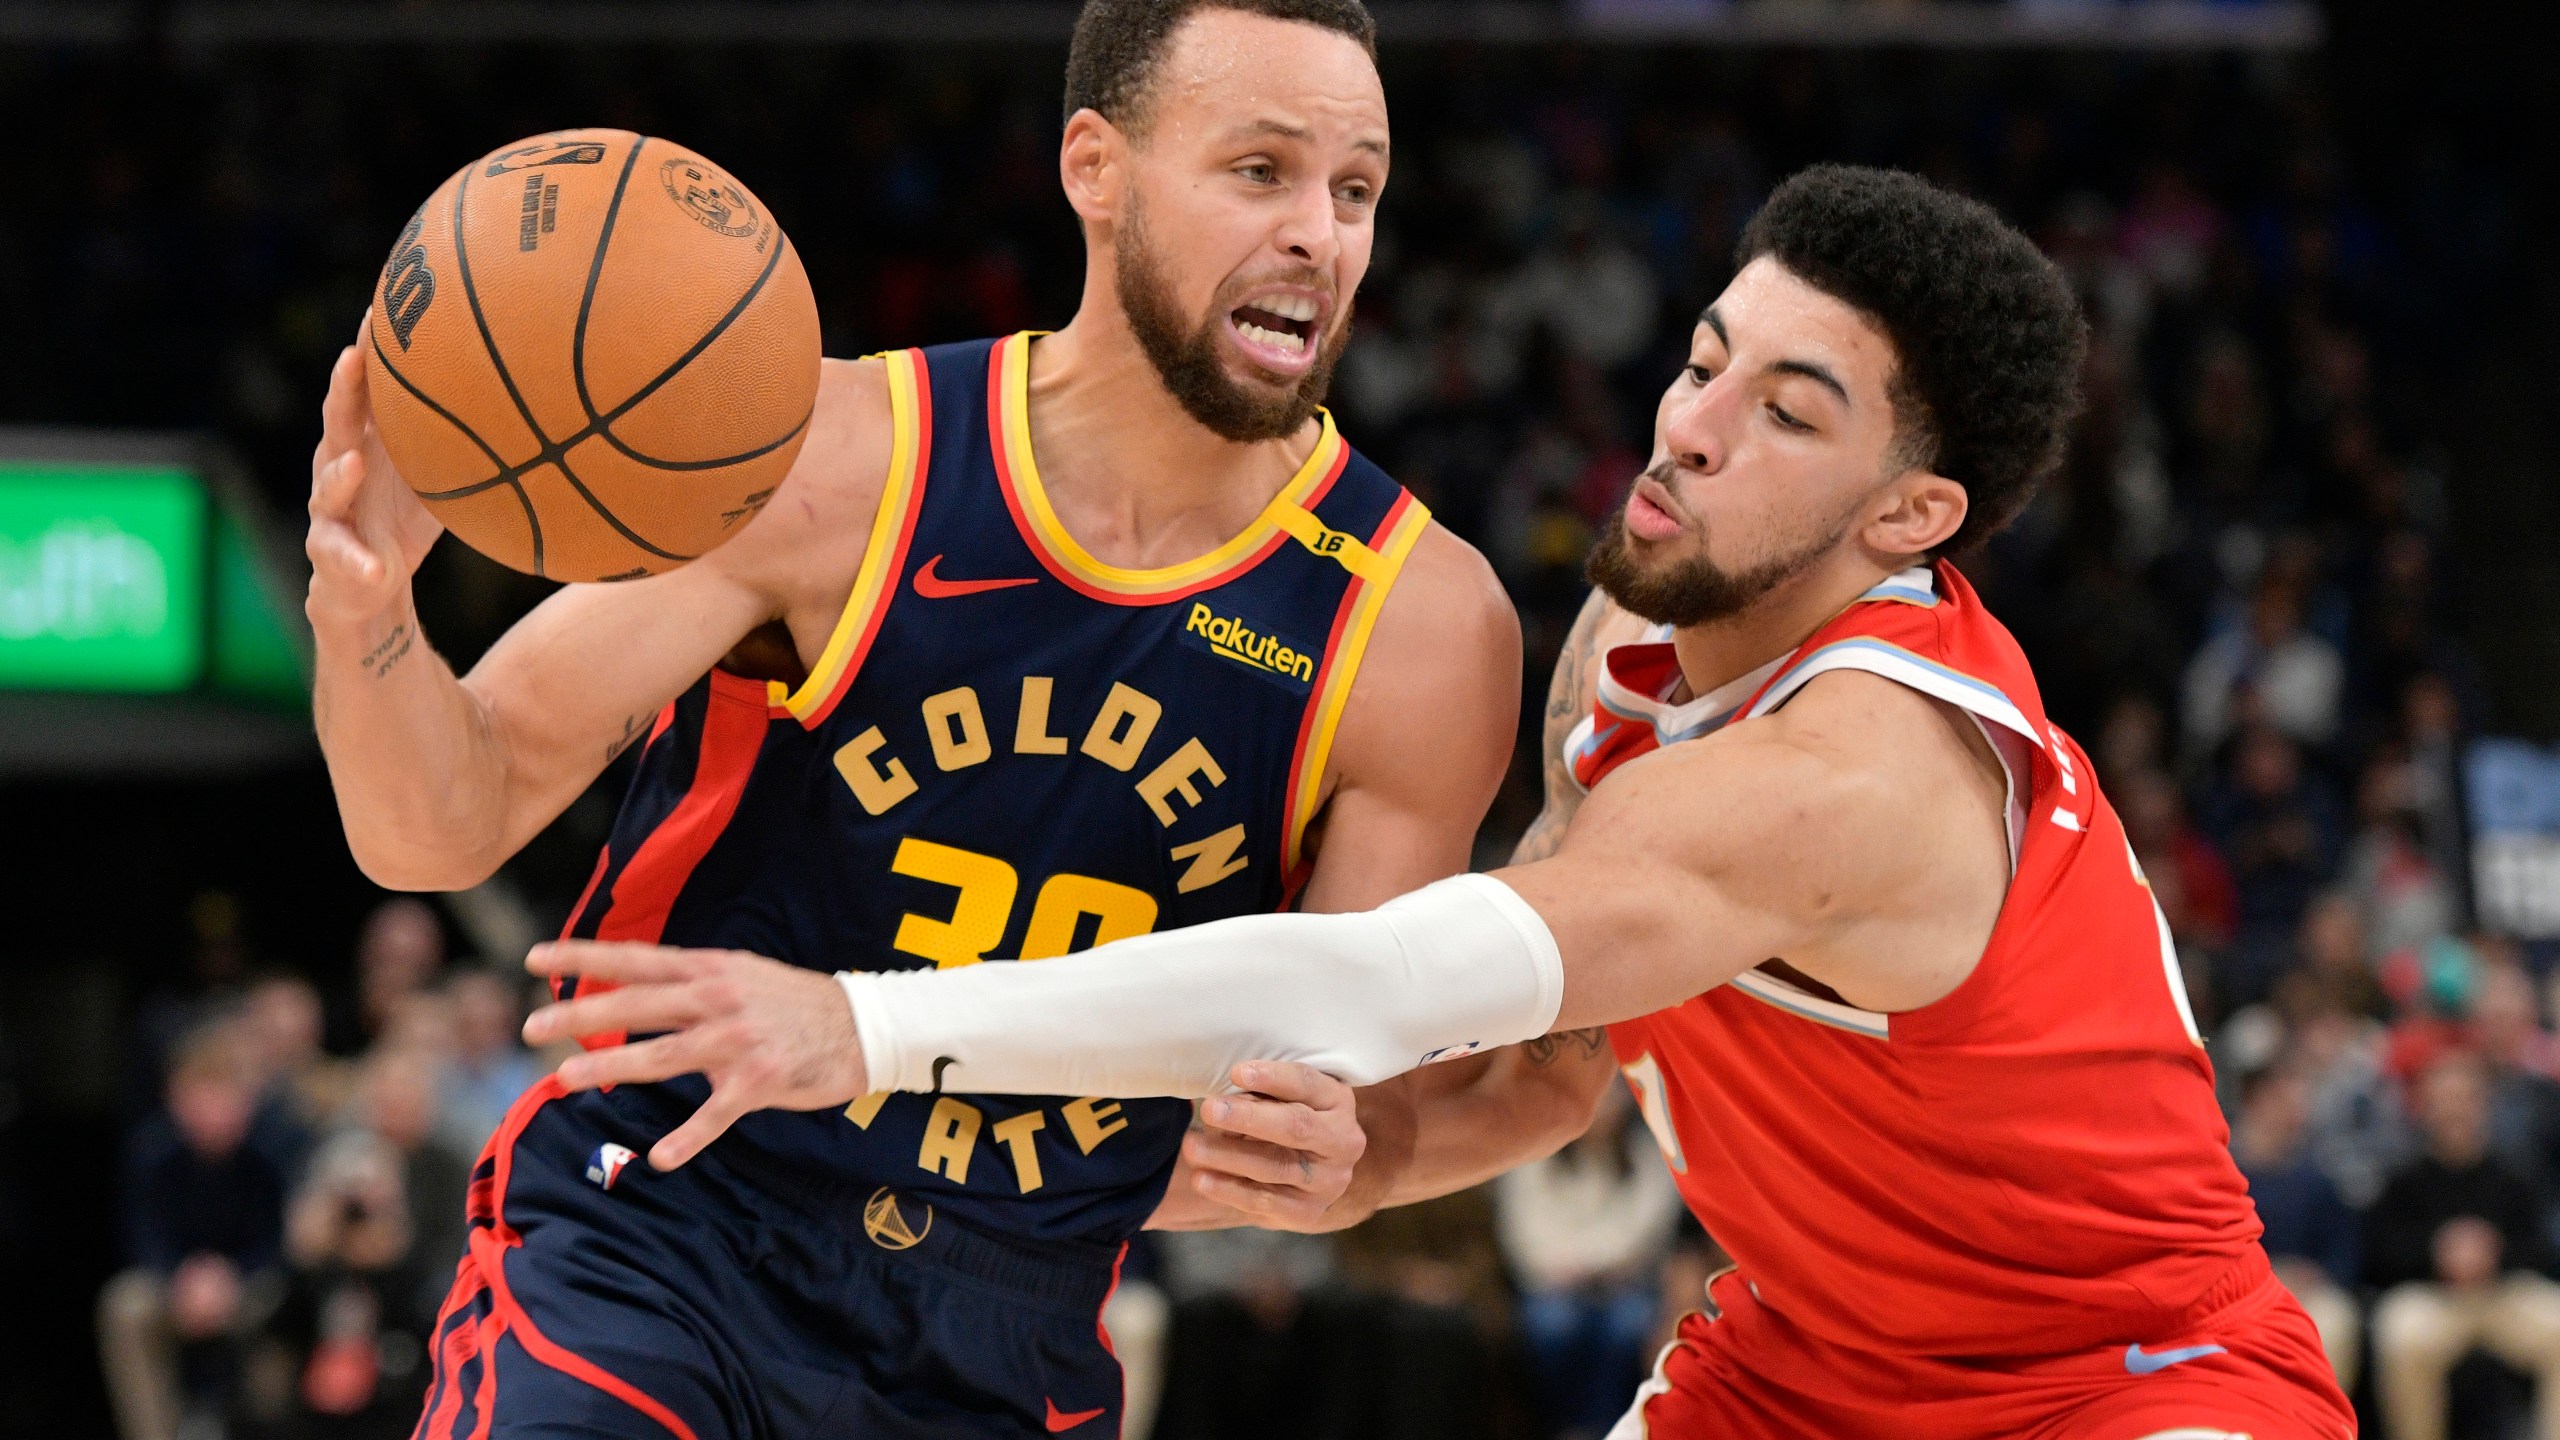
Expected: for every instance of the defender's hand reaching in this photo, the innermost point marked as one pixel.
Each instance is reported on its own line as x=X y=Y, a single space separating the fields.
x=769 y=1036
x=1280 y=1155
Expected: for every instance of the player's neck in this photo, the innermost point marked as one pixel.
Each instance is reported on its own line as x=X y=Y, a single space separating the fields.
x=1723 y=651
x=1132 y=475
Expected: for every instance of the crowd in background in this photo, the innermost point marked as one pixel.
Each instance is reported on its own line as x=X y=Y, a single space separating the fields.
x=2235 y=593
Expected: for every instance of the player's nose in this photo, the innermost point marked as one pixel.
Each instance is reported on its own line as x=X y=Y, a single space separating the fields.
x=1693 y=430
x=1306 y=234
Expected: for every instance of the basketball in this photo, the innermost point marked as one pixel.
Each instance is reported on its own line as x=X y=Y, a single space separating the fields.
x=593 y=354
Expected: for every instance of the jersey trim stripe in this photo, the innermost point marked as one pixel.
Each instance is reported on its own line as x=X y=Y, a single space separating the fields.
x=1770 y=990
x=1018 y=476
x=733 y=730
x=884 y=559
x=1883 y=657
x=502 y=1237
x=1367 y=595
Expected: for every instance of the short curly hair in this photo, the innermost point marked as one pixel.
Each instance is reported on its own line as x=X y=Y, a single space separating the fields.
x=1113 y=57
x=1987 y=335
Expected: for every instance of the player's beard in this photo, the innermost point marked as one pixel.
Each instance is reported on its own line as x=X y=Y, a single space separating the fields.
x=1186 y=355
x=1693 y=590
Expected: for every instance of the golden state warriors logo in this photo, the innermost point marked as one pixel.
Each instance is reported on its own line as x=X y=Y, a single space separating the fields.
x=887 y=1225
x=1232 y=637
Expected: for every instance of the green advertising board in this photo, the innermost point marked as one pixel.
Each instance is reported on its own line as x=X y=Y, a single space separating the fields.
x=131 y=579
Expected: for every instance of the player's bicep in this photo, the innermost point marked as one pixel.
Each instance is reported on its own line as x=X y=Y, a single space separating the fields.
x=1691 y=866
x=1427 y=734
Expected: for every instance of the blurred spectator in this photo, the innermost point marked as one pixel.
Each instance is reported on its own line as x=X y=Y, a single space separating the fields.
x=217 y=958
x=304 y=1087
x=398 y=955
x=375 y=1232
x=2311 y=1234
x=2279 y=825
x=2457 y=1238
x=1584 y=1231
x=489 y=1065
x=2293 y=676
x=204 y=1222
x=2407 y=900
x=2524 y=1098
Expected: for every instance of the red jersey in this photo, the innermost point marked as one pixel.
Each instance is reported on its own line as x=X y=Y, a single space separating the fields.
x=2031 y=1165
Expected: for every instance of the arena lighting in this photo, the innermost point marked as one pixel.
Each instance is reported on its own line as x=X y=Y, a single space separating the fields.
x=2168 y=25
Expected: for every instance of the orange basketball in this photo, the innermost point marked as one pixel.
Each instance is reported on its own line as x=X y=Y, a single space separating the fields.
x=593 y=354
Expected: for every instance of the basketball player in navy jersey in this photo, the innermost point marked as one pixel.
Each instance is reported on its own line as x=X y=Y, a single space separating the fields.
x=1045 y=641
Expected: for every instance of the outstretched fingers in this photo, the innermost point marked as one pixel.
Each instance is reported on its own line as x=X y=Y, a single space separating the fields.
x=622 y=962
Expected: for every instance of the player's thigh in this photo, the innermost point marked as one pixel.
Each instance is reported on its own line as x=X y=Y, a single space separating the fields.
x=597 y=1364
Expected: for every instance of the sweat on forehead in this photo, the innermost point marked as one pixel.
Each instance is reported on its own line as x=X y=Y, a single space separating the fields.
x=1120 y=44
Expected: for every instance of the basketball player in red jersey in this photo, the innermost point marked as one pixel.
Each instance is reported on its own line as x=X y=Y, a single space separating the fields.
x=1870 y=947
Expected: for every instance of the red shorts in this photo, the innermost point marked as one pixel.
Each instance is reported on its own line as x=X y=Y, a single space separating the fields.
x=2252 y=1368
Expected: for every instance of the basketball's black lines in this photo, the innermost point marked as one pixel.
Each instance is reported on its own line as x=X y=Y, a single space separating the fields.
x=555 y=452
x=603 y=424
x=503 y=477
x=489 y=342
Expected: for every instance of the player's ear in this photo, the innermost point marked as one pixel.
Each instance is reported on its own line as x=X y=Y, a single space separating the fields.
x=1090 y=168
x=1918 y=511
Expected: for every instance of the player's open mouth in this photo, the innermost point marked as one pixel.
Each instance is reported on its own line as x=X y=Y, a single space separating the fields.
x=1279 y=329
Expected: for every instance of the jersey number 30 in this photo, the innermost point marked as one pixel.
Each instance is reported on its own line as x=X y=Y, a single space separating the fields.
x=984 y=907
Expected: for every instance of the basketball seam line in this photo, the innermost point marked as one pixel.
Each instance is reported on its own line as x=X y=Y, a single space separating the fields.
x=602 y=425
x=557 y=455
x=504 y=477
x=488 y=342
x=555 y=452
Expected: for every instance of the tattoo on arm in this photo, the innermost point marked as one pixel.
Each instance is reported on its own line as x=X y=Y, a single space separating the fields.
x=393 y=649
x=1568 y=700
x=1547 y=1049
x=631 y=730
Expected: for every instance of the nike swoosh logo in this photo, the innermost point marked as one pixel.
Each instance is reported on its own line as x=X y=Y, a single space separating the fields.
x=1068 y=1420
x=2138 y=1363
x=934 y=587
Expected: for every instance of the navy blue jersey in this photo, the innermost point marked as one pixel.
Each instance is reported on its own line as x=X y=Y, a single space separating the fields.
x=1008 y=751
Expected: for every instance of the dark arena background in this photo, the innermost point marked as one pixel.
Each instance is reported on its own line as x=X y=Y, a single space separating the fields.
x=2295 y=587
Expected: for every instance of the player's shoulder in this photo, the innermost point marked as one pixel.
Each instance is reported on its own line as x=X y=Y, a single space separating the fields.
x=1439 y=682
x=810 y=535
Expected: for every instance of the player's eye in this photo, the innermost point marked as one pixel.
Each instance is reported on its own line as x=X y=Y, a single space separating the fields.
x=1699 y=374
x=1787 y=421
x=1354 y=194
x=1260 y=172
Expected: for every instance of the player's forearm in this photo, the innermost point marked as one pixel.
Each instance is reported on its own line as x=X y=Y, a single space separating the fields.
x=1524 y=1104
x=1456 y=966
x=419 y=779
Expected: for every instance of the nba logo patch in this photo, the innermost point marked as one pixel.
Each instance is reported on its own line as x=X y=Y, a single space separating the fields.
x=1451 y=1052
x=605 y=1166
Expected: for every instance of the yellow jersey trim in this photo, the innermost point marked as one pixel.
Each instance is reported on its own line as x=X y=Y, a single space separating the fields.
x=1046 y=534
x=1376 y=583
x=882 y=557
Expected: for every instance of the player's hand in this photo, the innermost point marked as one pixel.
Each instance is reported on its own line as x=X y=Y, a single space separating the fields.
x=769 y=1036
x=1281 y=1155
x=368 y=530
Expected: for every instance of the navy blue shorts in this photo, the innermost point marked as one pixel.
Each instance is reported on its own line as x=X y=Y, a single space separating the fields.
x=723 y=1302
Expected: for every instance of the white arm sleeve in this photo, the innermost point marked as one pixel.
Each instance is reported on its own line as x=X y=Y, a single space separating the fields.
x=1454 y=967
